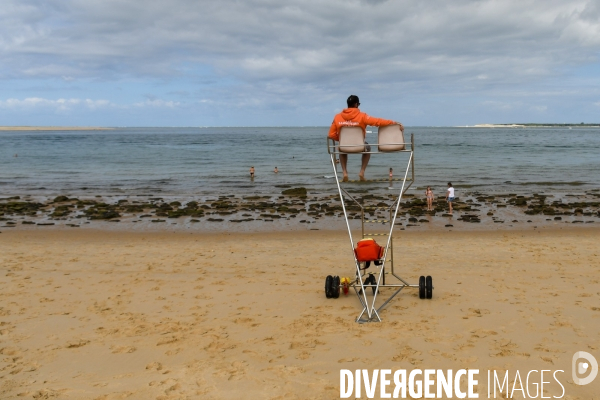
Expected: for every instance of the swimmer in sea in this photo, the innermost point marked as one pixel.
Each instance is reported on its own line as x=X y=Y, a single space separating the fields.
x=252 y=172
x=276 y=170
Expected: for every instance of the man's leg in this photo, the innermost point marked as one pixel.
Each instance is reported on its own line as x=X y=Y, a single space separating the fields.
x=343 y=162
x=365 y=162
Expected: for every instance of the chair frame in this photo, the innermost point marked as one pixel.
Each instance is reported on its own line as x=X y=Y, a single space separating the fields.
x=371 y=313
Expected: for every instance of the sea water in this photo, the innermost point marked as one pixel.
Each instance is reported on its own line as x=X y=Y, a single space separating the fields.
x=208 y=161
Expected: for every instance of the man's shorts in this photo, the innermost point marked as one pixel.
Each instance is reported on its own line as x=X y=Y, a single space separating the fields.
x=450 y=199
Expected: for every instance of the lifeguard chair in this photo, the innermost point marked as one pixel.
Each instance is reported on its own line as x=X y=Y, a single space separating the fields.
x=390 y=142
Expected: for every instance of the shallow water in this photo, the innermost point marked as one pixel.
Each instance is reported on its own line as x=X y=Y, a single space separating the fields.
x=202 y=161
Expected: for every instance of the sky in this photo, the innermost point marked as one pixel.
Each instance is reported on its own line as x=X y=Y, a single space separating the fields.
x=294 y=63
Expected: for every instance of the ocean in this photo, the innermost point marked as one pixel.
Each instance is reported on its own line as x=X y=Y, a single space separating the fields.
x=188 y=162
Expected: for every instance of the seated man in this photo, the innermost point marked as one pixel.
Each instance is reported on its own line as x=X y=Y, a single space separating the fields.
x=352 y=116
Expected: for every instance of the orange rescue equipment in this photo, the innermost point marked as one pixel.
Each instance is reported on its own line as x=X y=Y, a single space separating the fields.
x=368 y=250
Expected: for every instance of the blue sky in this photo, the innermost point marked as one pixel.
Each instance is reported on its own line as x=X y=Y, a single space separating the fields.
x=293 y=63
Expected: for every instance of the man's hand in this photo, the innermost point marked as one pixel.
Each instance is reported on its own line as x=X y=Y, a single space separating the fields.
x=401 y=126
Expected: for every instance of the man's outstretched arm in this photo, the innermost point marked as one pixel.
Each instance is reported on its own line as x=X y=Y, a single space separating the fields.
x=381 y=122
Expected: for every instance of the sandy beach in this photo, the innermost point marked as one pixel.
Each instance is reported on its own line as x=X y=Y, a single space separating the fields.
x=178 y=181
x=91 y=314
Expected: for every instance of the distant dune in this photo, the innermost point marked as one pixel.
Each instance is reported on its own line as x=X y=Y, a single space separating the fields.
x=533 y=125
x=53 y=128
x=498 y=126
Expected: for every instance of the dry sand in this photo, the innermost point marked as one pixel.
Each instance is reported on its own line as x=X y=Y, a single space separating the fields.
x=105 y=315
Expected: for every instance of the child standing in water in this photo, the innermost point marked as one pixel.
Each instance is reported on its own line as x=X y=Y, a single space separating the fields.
x=252 y=172
x=429 y=196
x=450 y=196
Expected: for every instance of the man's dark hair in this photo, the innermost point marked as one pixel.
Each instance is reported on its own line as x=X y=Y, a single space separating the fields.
x=353 y=101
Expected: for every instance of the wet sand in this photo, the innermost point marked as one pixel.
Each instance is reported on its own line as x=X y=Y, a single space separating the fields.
x=96 y=314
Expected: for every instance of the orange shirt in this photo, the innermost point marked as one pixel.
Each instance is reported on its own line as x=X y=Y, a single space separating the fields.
x=353 y=117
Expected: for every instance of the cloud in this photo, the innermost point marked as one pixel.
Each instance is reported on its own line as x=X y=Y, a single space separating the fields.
x=33 y=102
x=68 y=104
x=301 y=41
x=57 y=104
x=539 y=108
x=93 y=104
x=499 y=105
x=284 y=55
x=157 y=103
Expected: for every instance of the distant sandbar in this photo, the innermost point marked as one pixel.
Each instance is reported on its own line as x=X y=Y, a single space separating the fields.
x=53 y=128
x=535 y=125
x=498 y=126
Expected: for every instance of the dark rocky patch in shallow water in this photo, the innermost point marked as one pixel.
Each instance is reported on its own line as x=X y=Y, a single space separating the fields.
x=277 y=207
x=298 y=192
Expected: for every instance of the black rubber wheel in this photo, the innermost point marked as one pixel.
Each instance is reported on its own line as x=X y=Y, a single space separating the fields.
x=429 y=286
x=421 y=287
x=328 y=282
x=335 y=287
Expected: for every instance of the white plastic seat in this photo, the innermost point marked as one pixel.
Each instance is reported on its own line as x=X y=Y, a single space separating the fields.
x=351 y=140
x=391 y=138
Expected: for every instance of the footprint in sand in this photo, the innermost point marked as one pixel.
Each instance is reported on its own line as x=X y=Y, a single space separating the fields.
x=48 y=393
x=476 y=312
x=154 y=366
x=122 y=349
x=167 y=340
x=504 y=348
x=243 y=320
x=482 y=333
x=46 y=300
x=407 y=353
x=285 y=371
x=234 y=371
x=308 y=344
x=76 y=343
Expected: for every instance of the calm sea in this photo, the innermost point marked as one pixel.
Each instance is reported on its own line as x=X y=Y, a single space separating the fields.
x=204 y=161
